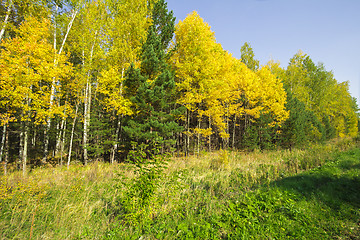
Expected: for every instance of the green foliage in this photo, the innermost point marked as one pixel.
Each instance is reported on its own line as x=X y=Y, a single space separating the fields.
x=135 y=204
x=123 y=62
x=151 y=87
x=260 y=133
x=222 y=161
x=321 y=94
x=100 y=134
x=302 y=127
x=280 y=194
x=248 y=57
x=251 y=138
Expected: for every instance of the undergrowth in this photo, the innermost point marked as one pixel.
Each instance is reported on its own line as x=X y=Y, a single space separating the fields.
x=300 y=194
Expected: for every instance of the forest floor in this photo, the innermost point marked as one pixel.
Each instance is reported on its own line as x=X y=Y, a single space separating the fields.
x=300 y=194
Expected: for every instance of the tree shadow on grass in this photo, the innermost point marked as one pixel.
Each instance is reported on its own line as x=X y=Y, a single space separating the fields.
x=333 y=185
x=329 y=190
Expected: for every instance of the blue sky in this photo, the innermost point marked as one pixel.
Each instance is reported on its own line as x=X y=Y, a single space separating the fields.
x=327 y=30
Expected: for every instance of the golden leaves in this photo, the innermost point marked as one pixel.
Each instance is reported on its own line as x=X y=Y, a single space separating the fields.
x=217 y=85
x=110 y=85
x=28 y=71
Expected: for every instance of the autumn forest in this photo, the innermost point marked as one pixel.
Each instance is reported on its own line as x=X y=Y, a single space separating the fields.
x=92 y=80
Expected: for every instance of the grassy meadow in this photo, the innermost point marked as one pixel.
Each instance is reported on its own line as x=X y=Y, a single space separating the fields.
x=300 y=194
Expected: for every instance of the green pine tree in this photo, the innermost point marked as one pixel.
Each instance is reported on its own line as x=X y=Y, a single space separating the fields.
x=100 y=133
x=151 y=87
x=302 y=125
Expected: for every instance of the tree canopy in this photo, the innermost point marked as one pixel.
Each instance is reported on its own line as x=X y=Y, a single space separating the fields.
x=89 y=80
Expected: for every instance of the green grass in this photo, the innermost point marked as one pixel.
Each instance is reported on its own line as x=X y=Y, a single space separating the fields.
x=302 y=194
x=323 y=203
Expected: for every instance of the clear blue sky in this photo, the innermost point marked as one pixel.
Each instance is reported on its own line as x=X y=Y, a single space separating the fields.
x=327 y=30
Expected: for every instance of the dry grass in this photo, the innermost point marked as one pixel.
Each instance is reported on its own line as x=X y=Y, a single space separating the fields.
x=62 y=203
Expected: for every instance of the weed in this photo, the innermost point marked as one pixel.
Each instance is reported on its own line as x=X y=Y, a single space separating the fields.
x=221 y=161
x=300 y=194
x=135 y=205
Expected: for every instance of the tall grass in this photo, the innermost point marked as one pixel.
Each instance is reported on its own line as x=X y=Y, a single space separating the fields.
x=211 y=196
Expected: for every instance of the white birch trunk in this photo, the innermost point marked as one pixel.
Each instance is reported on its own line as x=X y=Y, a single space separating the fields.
x=6 y=152
x=188 y=134
x=33 y=141
x=60 y=129
x=48 y=121
x=26 y=138
x=8 y=12
x=3 y=142
x=87 y=104
x=72 y=135
x=52 y=95
x=73 y=16
x=227 y=129
x=62 y=145
x=198 y=136
x=115 y=146
x=46 y=144
x=210 y=135
x=233 y=135
x=21 y=145
x=58 y=137
x=24 y=156
x=112 y=158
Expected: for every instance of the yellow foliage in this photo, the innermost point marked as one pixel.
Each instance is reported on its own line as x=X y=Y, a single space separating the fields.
x=215 y=84
x=204 y=132
x=27 y=70
x=21 y=190
x=110 y=85
x=273 y=97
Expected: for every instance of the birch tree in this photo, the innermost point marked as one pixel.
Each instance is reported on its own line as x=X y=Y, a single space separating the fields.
x=25 y=78
x=67 y=18
x=126 y=31
x=15 y=11
x=195 y=64
x=88 y=45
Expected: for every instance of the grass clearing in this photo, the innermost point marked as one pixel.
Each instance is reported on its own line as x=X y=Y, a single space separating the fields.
x=299 y=194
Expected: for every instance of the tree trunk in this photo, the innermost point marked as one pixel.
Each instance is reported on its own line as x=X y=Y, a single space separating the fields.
x=8 y=12
x=87 y=106
x=46 y=140
x=48 y=121
x=6 y=152
x=62 y=144
x=210 y=135
x=73 y=16
x=87 y=102
x=245 y=127
x=72 y=135
x=52 y=95
x=60 y=130
x=21 y=145
x=198 y=136
x=187 y=145
x=2 y=142
x=115 y=146
x=33 y=141
x=24 y=156
x=116 y=140
x=58 y=138
x=233 y=135
x=227 y=130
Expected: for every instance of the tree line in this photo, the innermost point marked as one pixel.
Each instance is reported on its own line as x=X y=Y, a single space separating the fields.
x=87 y=80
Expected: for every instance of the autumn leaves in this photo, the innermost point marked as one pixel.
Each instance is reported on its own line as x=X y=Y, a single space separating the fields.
x=130 y=75
x=219 y=87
